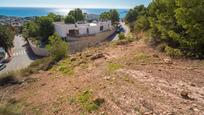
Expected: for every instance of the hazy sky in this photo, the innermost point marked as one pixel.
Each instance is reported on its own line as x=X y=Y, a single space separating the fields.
x=74 y=3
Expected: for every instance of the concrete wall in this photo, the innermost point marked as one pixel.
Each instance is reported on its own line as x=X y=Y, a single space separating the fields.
x=94 y=29
x=83 y=30
x=38 y=51
x=89 y=41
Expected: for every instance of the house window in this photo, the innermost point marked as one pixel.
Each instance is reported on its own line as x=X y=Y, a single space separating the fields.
x=101 y=28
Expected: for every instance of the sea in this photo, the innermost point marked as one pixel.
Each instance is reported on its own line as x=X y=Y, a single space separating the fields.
x=28 y=11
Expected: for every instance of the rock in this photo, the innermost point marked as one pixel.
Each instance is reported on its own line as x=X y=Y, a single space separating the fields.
x=168 y=61
x=148 y=113
x=186 y=95
x=107 y=78
x=143 y=64
x=73 y=59
x=97 y=56
x=99 y=101
x=190 y=68
x=193 y=85
x=194 y=108
x=76 y=87
x=155 y=55
x=43 y=84
x=50 y=73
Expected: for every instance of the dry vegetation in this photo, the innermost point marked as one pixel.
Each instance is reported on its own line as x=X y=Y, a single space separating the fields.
x=111 y=80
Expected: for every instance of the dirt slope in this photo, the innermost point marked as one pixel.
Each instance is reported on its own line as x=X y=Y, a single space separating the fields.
x=132 y=79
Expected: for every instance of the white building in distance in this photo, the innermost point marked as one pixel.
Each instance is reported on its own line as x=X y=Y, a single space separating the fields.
x=85 y=29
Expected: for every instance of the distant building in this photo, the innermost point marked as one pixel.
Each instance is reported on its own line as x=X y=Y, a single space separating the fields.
x=85 y=29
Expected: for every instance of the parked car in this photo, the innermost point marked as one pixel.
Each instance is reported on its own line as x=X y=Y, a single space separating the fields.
x=2 y=66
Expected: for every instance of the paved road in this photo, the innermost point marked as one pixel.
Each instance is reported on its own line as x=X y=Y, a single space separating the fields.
x=125 y=27
x=21 y=56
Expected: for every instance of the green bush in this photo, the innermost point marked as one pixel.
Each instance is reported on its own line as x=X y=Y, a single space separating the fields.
x=178 y=23
x=161 y=47
x=57 y=48
x=173 y=52
x=87 y=103
x=121 y=36
x=141 y=24
x=123 y=40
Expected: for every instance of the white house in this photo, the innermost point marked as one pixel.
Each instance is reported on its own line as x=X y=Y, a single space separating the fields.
x=85 y=29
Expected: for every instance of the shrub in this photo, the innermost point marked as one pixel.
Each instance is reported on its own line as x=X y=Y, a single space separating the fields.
x=12 y=107
x=161 y=47
x=173 y=52
x=36 y=66
x=9 y=78
x=142 y=57
x=65 y=67
x=57 y=47
x=142 y=24
x=89 y=105
x=178 y=23
x=121 y=36
x=123 y=40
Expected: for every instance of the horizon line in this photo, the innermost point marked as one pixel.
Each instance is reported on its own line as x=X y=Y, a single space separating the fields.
x=62 y=7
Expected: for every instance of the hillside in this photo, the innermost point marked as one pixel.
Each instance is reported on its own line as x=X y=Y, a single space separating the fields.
x=111 y=80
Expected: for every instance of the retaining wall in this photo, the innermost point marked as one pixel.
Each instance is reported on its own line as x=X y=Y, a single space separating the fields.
x=38 y=51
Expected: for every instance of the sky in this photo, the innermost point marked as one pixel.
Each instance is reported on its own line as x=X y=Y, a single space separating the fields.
x=74 y=3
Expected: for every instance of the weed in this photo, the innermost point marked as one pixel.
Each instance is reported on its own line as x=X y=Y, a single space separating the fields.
x=65 y=67
x=11 y=108
x=113 y=67
x=141 y=57
x=89 y=105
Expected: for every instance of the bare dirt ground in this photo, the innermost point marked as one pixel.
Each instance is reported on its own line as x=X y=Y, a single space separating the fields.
x=133 y=79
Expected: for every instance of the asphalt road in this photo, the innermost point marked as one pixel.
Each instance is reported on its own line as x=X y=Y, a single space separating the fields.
x=125 y=27
x=21 y=56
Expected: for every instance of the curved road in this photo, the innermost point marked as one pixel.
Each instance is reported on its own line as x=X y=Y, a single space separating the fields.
x=125 y=27
x=21 y=56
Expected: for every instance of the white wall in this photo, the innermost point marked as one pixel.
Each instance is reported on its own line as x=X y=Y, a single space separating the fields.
x=94 y=29
x=106 y=25
x=82 y=30
x=63 y=29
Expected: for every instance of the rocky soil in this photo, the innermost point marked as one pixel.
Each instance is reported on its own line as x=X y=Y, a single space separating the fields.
x=131 y=79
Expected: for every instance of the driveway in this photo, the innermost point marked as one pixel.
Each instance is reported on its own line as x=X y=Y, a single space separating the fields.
x=21 y=55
